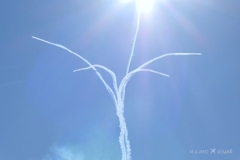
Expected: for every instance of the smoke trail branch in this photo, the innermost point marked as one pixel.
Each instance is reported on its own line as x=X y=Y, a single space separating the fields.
x=134 y=42
x=86 y=61
x=106 y=69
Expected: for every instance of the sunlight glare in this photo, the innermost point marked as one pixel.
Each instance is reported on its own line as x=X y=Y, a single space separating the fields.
x=126 y=1
x=142 y=5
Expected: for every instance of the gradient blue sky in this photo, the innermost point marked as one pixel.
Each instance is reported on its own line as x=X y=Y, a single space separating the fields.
x=47 y=110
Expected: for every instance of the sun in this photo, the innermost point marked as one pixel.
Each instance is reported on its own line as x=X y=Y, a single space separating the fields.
x=142 y=5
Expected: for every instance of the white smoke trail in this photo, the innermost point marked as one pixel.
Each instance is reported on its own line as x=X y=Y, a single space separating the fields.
x=134 y=42
x=118 y=94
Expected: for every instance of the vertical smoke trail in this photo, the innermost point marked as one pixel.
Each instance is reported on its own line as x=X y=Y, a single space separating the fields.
x=134 y=42
x=123 y=125
x=123 y=138
x=122 y=92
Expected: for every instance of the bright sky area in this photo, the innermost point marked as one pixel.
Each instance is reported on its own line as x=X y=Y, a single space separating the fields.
x=47 y=111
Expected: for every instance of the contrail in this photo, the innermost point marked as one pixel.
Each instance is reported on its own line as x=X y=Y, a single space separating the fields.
x=134 y=42
x=118 y=92
x=121 y=107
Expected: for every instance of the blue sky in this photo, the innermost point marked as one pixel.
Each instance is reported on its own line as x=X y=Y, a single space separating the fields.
x=48 y=112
